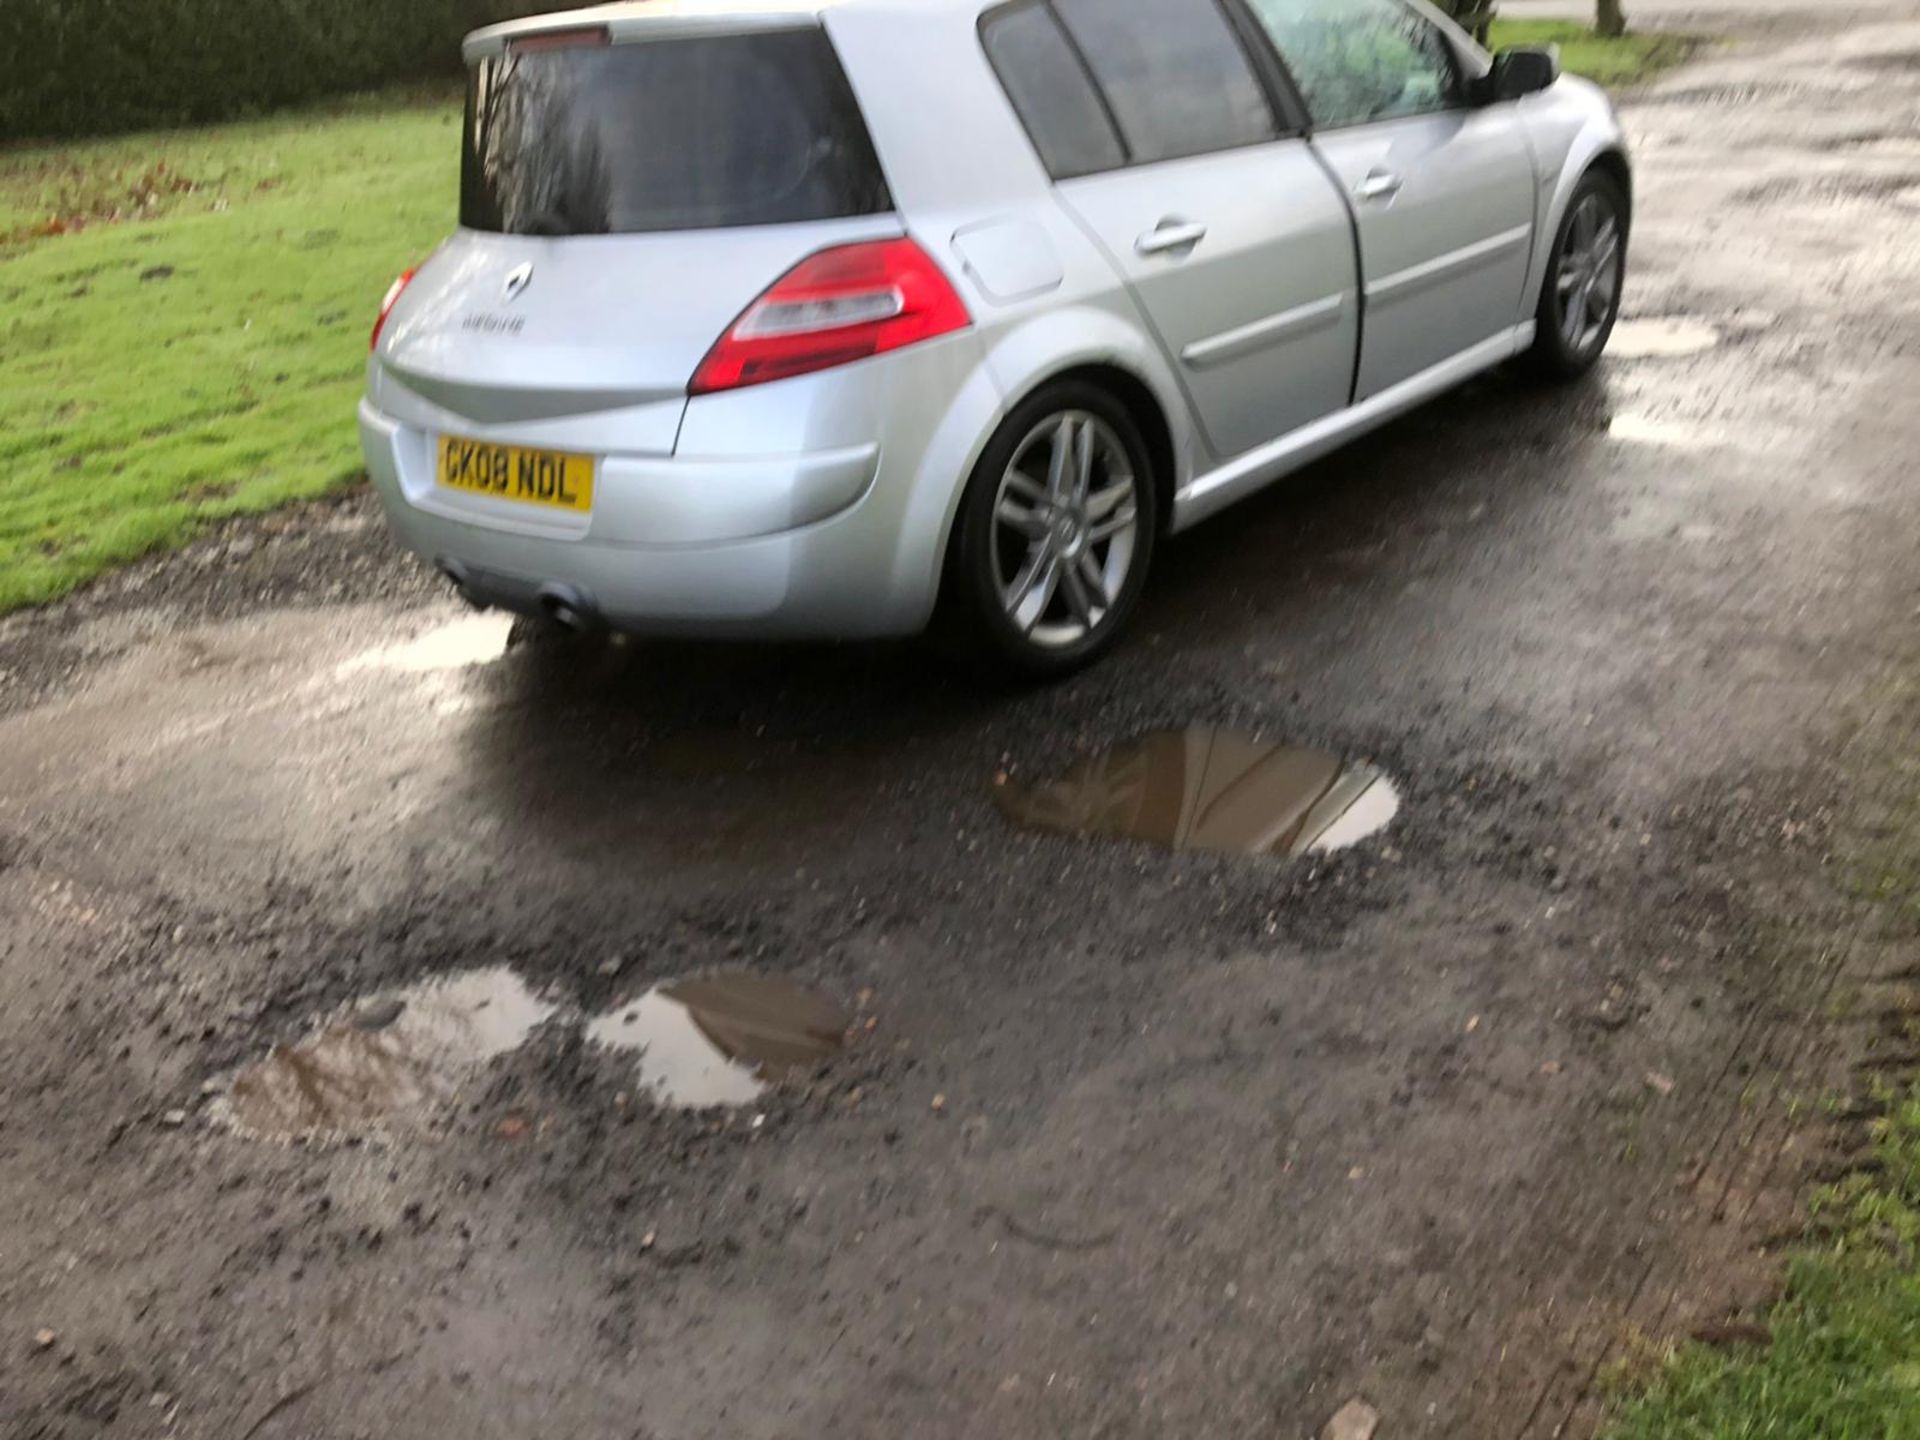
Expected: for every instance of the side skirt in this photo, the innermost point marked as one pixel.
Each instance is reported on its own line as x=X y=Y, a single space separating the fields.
x=1258 y=467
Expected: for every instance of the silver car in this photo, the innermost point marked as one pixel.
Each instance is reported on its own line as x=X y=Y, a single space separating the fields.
x=822 y=317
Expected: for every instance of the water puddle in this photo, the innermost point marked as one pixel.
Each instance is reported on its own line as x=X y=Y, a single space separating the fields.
x=470 y=640
x=1660 y=337
x=722 y=1039
x=1204 y=788
x=393 y=1058
x=1643 y=430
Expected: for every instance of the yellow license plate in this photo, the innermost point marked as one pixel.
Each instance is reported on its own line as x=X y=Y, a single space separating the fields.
x=534 y=477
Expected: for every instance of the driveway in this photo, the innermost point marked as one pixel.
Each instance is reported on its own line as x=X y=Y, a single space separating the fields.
x=1124 y=1142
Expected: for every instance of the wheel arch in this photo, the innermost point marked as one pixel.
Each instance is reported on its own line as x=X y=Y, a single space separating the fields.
x=1094 y=345
x=1134 y=395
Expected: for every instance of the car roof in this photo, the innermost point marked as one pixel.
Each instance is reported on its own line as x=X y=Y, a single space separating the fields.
x=630 y=19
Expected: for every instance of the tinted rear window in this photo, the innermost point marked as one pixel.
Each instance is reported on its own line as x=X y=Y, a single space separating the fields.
x=697 y=133
x=1051 y=92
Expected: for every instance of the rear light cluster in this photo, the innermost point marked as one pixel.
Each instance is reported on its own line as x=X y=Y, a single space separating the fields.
x=837 y=306
x=386 y=307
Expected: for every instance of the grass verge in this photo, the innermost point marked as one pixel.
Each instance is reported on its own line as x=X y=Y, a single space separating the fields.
x=1624 y=60
x=1844 y=1362
x=184 y=317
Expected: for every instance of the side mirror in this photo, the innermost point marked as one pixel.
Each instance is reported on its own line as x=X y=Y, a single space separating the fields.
x=1519 y=70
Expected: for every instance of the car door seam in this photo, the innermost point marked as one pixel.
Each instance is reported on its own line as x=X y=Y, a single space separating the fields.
x=1359 y=268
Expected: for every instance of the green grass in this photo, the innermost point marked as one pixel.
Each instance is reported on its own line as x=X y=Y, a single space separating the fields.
x=134 y=410
x=1625 y=60
x=1845 y=1359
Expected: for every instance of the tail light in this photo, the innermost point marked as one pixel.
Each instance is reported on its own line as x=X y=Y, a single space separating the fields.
x=834 y=307
x=386 y=307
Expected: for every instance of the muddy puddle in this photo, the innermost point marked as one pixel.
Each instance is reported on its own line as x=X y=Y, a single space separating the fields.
x=469 y=640
x=1660 y=337
x=389 y=1061
x=1205 y=788
x=1673 y=434
x=720 y=1040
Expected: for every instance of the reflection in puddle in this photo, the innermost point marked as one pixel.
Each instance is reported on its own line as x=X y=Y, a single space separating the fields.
x=1660 y=337
x=1207 y=789
x=470 y=640
x=719 y=1040
x=394 y=1057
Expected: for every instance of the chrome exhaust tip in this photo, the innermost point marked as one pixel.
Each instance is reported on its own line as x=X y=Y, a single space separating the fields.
x=569 y=609
x=456 y=575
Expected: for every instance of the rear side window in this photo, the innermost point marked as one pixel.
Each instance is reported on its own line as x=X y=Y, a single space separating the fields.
x=1174 y=72
x=695 y=133
x=1051 y=92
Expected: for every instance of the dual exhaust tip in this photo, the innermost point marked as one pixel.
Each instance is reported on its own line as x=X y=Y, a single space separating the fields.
x=562 y=604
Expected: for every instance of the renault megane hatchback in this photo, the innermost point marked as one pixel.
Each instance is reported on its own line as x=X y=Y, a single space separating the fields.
x=818 y=317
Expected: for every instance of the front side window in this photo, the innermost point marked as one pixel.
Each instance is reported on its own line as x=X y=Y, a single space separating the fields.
x=1051 y=92
x=1174 y=74
x=1357 y=61
x=681 y=134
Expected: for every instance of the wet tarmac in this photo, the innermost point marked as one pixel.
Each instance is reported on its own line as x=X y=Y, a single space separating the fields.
x=1147 y=1140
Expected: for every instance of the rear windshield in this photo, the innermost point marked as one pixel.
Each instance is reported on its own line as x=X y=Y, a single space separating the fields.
x=697 y=133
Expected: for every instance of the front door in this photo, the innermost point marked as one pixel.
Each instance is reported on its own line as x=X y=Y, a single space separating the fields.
x=1442 y=191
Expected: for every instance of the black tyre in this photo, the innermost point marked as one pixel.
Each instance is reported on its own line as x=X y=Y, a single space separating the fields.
x=1054 y=535
x=1580 y=297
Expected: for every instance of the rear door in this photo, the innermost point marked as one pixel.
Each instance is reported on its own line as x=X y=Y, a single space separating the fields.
x=1169 y=150
x=1442 y=191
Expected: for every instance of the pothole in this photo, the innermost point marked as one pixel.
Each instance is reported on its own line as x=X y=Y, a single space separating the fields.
x=1206 y=788
x=392 y=1059
x=470 y=640
x=1660 y=337
x=722 y=1039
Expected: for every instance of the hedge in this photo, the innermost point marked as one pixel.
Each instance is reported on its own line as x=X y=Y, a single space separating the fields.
x=85 y=67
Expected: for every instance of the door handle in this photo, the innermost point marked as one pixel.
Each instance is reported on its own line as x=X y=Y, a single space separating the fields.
x=1379 y=185
x=1169 y=235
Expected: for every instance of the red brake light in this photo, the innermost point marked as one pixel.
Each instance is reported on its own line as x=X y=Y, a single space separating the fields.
x=579 y=37
x=386 y=307
x=834 y=307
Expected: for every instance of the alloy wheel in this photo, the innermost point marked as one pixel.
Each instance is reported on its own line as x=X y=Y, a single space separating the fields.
x=1587 y=286
x=1065 y=528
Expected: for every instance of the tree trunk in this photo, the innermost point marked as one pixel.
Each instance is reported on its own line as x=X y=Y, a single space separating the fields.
x=1610 y=20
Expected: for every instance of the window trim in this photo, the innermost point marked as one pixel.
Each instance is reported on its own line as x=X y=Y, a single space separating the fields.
x=1276 y=87
x=1447 y=44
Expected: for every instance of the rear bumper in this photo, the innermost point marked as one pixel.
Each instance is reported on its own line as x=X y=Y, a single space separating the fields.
x=823 y=544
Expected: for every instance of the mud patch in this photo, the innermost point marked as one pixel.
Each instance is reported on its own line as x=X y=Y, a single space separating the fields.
x=470 y=640
x=723 y=1039
x=391 y=1060
x=1660 y=337
x=1205 y=788
x=1727 y=95
x=1827 y=190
